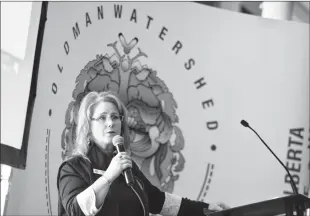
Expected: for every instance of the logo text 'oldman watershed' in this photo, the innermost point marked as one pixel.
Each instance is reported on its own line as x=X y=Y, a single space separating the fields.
x=156 y=141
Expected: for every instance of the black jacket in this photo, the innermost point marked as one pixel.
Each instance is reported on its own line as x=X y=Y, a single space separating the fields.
x=76 y=174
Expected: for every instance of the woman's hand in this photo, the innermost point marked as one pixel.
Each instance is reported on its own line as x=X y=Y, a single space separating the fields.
x=218 y=206
x=120 y=162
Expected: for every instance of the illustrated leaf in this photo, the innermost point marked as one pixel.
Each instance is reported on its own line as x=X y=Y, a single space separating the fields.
x=143 y=74
x=103 y=83
x=169 y=105
x=179 y=140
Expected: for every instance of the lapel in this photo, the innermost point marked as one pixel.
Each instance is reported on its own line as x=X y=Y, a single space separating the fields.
x=100 y=160
x=119 y=191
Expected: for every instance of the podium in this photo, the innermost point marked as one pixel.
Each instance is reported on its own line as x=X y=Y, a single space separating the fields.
x=288 y=206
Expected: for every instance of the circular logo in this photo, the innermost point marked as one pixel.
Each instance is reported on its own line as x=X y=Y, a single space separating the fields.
x=156 y=140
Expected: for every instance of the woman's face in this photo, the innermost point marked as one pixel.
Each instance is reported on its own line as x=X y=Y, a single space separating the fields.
x=106 y=122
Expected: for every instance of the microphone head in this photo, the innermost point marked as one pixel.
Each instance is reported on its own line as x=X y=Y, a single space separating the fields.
x=244 y=123
x=117 y=140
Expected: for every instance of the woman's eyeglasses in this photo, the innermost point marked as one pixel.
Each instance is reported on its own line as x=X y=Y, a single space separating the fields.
x=113 y=117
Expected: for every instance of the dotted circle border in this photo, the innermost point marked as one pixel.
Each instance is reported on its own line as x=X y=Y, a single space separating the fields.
x=47 y=187
x=206 y=183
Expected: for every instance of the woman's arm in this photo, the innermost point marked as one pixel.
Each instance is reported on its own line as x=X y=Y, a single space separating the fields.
x=101 y=188
x=172 y=205
x=77 y=196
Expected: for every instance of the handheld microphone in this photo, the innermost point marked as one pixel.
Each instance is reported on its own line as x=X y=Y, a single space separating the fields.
x=293 y=185
x=118 y=142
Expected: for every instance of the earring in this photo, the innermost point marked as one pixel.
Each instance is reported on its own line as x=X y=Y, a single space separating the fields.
x=88 y=141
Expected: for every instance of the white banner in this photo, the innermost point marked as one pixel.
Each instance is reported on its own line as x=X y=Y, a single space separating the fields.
x=188 y=74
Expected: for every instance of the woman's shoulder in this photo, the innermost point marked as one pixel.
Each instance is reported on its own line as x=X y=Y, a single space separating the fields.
x=76 y=163
x=76 y=160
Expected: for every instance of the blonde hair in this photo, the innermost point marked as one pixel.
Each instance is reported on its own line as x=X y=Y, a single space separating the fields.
x=81 y=145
